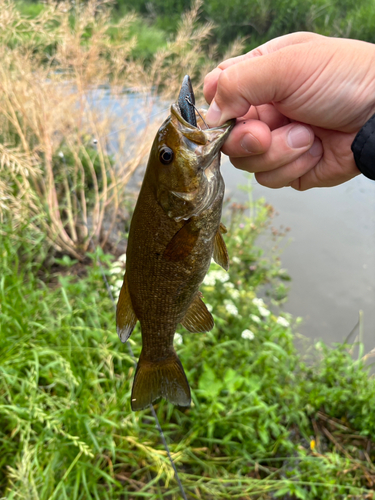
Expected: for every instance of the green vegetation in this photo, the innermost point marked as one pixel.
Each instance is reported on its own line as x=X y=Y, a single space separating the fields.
x=265 y=422
x=254 y=22
x=59 y=71
x=67 y=430
x=258 y=21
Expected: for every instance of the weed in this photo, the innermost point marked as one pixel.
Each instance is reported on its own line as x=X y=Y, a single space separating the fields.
x=263 y=423
x=67 y=82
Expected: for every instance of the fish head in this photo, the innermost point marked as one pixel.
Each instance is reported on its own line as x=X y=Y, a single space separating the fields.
x=184 y=164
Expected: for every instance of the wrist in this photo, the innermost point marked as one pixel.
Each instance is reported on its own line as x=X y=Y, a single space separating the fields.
x=366 y=91
x=363 y=148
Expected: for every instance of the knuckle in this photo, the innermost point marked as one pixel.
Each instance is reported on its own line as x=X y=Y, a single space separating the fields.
x=224 y=83
x=266 y=180
x=207 y=79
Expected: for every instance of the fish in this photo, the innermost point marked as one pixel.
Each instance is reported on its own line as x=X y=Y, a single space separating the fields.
x=175 y=231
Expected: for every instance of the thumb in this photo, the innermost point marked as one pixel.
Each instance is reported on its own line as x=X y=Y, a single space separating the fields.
x=271 y=77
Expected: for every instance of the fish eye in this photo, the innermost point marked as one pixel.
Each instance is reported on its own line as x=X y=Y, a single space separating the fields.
x=166 y=155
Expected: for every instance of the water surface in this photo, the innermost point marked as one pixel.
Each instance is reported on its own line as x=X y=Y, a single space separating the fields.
x=331 y=255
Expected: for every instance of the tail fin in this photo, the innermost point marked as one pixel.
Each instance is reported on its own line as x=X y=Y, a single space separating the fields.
x=164 y=378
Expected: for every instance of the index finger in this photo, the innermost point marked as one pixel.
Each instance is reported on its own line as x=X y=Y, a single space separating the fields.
x=211 y=79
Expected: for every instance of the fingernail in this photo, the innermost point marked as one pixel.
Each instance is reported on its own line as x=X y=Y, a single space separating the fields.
x=317 y=148
x=213 y=114
x=299 y=137
x=249 y=143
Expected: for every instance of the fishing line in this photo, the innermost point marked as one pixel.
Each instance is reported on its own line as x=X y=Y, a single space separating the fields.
x=131 y=353
x=196 y=109
x=158 y=426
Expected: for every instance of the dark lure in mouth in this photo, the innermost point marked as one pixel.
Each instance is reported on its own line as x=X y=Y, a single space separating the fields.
x=186 y=101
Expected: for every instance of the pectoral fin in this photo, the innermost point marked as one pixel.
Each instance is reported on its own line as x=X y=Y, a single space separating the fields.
x=125 y=315
x=198 y=318
x=220 y=255
x=182 y=243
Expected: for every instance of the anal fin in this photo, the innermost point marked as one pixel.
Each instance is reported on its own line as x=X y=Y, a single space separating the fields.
x=198 y=318
x=125 y=315
x=154 y=379
x=220 y=254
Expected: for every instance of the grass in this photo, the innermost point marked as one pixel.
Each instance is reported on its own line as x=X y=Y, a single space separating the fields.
x=265 y=422
x=58 y=166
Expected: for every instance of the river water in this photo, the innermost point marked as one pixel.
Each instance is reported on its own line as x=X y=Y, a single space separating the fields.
x=330 y=255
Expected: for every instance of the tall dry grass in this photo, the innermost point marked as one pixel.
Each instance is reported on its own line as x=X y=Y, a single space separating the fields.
x=57 y=168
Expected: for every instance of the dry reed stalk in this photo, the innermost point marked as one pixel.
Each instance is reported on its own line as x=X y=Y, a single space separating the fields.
x=51 y=173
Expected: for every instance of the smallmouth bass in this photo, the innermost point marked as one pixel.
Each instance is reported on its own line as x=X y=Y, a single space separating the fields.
x=174 y=232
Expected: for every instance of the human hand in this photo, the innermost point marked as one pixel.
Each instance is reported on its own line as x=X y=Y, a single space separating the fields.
x=326 y=85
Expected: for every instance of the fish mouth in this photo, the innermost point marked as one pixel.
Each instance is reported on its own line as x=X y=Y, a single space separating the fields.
x=200 y=135
x=190 y=121
x=197 y=181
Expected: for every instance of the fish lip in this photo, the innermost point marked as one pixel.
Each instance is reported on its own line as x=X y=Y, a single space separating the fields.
x=175 y=111
x=216 y=137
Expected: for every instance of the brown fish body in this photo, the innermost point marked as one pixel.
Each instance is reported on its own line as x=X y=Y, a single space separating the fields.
x=150 y=274
x=174 y=233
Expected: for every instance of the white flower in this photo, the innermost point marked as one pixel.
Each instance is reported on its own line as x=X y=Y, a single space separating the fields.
x=247 y=334
x=221 y=276
x=214 y=276
x=282 y=321
x=258 y=302
x=230 y=307
x=61 y=154
x=234 y=293
x=209 y=280
x=116 y=270
x=118 y=284
x=263 y=311
x=178 y=339
x=255 y=318
x=228 y=285
x=115 y=288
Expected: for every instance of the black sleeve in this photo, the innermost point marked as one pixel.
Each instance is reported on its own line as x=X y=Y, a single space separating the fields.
x=363 y=148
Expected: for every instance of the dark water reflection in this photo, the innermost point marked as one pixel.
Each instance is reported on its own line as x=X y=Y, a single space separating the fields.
x=331 y=255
